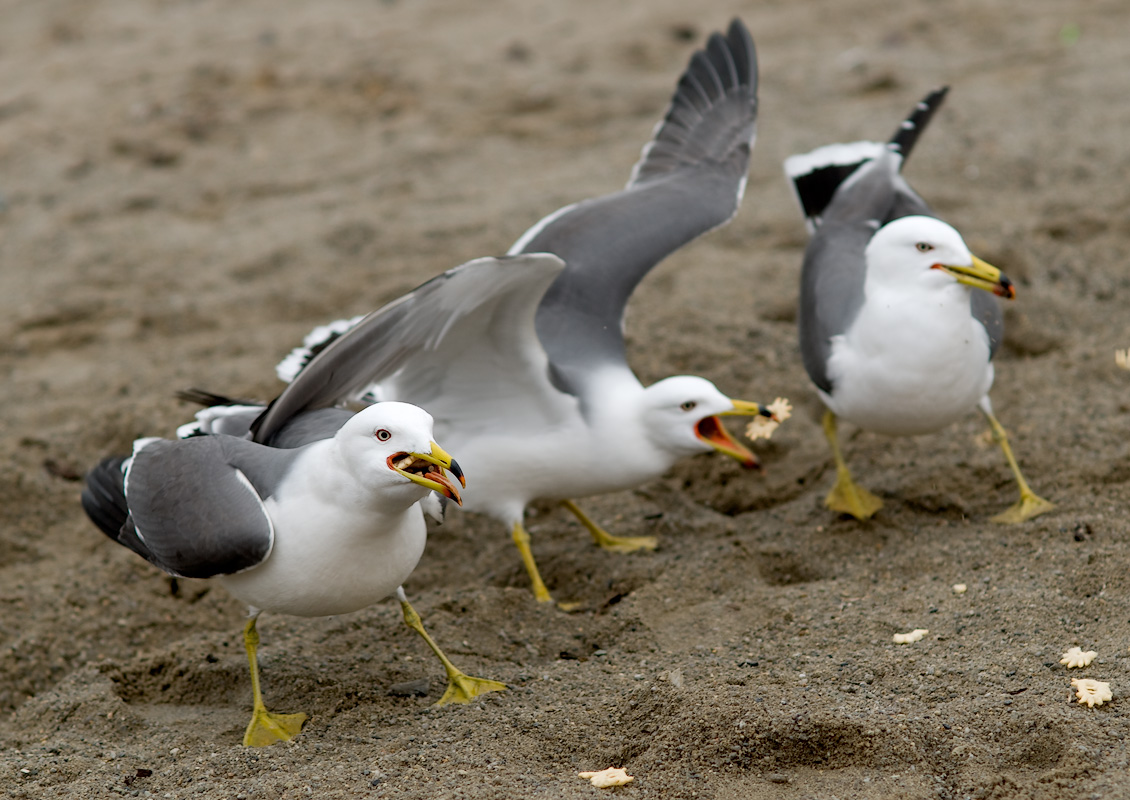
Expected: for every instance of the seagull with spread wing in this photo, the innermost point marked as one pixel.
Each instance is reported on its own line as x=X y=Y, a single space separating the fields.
x=521 y=360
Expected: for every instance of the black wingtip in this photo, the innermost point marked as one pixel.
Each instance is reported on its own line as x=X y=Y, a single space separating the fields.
x=816 y=183
x=257 y=423
x=912 y=127
x=202 y=397
x=743 y=51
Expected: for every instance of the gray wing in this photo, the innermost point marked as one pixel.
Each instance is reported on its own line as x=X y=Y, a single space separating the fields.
x=196 y=505
x=445 y=346
x=831 y=281
x=310 y=426
x=689 y=180
x=232 y=417
x=986 y=309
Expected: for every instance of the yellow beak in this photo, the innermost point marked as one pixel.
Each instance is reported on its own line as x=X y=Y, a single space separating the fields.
x=421 y=468
x=981 y=275
x=711 y=431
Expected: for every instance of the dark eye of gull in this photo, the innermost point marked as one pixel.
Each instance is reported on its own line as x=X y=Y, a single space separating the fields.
x=923 y=247
x=383 y=435
x=688 y=405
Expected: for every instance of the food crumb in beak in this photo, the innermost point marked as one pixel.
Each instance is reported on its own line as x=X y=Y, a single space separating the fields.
x=764 y=427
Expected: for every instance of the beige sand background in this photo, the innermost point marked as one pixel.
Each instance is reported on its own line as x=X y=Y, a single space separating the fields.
x=188 y=187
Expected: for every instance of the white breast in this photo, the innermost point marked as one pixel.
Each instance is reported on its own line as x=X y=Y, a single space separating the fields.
x=330 y=557
x=910 y=365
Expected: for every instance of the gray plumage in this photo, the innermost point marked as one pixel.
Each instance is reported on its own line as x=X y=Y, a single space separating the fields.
x=227 y=533
x=688 y=181
x=846 y=201
x=472 y=320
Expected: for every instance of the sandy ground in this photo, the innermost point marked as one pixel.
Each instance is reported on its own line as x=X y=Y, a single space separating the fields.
x=188 y=187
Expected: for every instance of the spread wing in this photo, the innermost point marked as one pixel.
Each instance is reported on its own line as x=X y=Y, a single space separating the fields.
x=689 y=180
x=445 y=346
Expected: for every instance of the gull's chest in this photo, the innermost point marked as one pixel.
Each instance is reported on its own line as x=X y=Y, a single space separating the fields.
x=328 y=559
x=909 y=366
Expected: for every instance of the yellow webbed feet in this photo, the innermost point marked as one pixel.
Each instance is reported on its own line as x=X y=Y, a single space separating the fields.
x=623 y=544
x=522 y=541
x=847 y=497
x=604 y=539
x=462 y=688
x=1029 y=505
x=266 y=728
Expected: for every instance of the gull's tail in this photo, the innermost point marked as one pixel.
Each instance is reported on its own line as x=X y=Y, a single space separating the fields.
x=911 y=128
x=104 y=497
x=816 y=176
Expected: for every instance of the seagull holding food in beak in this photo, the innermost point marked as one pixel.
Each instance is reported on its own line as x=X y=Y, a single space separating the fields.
x=522 y=360
x=324 y=527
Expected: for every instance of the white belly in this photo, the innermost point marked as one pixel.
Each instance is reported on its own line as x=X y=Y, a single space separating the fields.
x=341 y=568
x=905 y=370
x=505 y=473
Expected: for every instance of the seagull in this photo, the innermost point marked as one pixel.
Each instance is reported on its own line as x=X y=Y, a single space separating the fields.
x=898 y=323
x=522 y=359
x=326 y=527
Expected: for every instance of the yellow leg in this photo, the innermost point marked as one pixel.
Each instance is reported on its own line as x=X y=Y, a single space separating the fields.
x=846 y=497
x=1030 y=504
x=601 y=537
x=461 y=688
x=522 y=540
x=265 y=728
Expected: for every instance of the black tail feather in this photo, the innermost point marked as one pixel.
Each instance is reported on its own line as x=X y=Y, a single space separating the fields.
x=202 y=397
x=817 y=176
x=815 y=189
x=104 y=501
x=104 y=498
x=911 y=128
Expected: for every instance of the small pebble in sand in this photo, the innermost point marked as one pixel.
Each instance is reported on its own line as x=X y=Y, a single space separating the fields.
x=959 y=588
x=1076 y=657
x=763 y=427
x=915 y=635
x=1093 y=693
x=606 y=778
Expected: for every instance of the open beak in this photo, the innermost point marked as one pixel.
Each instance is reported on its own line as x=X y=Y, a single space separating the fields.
x=981 y=275
x=711 y=431
x=427 y=469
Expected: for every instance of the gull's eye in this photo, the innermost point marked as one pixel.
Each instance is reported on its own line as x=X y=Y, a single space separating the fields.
x=688 y=405
x=383 y=435
x=923 y=247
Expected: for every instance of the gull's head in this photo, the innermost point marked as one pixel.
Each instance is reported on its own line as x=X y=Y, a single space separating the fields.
x=387 y=445
x=917 y=252
x=682 y=415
